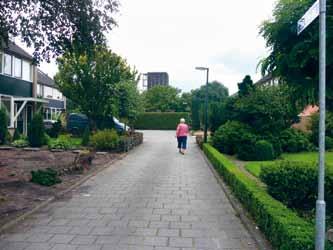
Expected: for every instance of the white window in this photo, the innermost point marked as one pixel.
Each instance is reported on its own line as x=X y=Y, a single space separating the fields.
x=1 y=63
x=7 y=64
x=26 y=71
x=48 y=92
x=57 y=94
x=39 y=90
x=17 y=67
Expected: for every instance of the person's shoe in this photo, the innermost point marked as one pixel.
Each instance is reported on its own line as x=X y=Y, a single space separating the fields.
x=182 y=152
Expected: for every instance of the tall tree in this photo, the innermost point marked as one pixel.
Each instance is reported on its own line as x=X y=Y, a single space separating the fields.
x=217 y=93
x=294 y=59
x=162 y=98
x=91 y=82
x=52 y=27
x=246 y=86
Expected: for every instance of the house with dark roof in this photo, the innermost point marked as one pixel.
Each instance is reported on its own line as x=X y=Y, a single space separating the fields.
x=19 y=86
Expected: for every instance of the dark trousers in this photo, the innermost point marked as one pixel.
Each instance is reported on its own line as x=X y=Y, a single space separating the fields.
x=182 y=142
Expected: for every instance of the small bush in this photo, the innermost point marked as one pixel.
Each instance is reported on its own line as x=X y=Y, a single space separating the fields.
x=55 y=130
x=295 y=183
x=60 y=143
x=246 y=150
x=36 y=134
x=264 y=151
x=86 y=137
x=16 y=135
x=48 y=177
x=3 y=126
x=294 y=141
x=228 y=136
x=20 y=143
x=315 y=127
x=105 y=140
x=329 y=143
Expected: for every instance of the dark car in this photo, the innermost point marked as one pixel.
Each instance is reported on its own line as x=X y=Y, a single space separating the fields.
x=76 y=123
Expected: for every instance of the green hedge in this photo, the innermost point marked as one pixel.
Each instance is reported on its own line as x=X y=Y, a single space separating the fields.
x=284 y=229
x=160 y=121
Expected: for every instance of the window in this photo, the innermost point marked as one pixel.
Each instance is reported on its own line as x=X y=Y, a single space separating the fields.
x=17 y=67
x=48 y=92
x=57 y=94
x=7 y=64
x=26 y=68
x=39 y=90
x=0 y=63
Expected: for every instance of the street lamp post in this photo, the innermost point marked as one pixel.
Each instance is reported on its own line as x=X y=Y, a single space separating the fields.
x=206 y=101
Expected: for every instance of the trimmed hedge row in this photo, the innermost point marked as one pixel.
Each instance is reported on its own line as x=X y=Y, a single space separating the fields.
x=159 y=120
x=284 y=229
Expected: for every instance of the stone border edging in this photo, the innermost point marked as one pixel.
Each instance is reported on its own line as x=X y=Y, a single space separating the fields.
x=57 y=196
x=244 y=216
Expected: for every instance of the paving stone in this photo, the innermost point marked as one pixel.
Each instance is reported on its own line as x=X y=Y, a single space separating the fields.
x=154 y=199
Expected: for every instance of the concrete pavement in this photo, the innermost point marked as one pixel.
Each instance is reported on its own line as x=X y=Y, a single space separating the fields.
x=154 y=199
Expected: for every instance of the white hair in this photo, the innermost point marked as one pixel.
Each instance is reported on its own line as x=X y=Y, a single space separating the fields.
x=182 y=120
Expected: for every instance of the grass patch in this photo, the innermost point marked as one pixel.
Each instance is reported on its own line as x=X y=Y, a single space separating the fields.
x=73 y=142
x=254 y=167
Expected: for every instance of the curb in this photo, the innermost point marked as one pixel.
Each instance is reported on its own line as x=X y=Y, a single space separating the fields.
x=241 y=213
x=62 y=193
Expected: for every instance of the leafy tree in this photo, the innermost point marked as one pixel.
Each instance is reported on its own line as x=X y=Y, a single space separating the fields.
x=91 y=81
x=161 y=98
x=52 y=27
x=3 y=126
x=268 y=110
x=86 y=137
x=294 y=59
x=217 y=93
x=129 y=102
x=246 y=86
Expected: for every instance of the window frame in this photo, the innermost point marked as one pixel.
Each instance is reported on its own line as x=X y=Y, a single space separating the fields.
x=16 y=60
x=11 y=64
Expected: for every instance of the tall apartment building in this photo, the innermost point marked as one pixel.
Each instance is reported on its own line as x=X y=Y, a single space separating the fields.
x=152 y=79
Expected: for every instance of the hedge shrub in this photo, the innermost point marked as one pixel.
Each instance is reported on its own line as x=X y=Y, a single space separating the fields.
x=229 y=136
x=107 y=139
x=284 y=229
x=3 y=126
x=293 y=141
x=160 y=121
x=264 y=151
x=295 y=183
x=36 y=133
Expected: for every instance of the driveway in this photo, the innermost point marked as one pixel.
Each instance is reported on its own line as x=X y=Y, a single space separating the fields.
x=155 y=199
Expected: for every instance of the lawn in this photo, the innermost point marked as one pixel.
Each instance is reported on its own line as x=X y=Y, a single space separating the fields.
x=254 y=167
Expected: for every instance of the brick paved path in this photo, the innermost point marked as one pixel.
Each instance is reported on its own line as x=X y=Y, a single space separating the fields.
x=154 y=199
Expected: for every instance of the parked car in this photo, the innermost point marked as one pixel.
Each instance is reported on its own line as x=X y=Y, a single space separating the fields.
x=77 y=123
x=119 y=126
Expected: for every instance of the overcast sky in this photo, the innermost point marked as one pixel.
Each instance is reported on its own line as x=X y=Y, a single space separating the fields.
x=177 y=35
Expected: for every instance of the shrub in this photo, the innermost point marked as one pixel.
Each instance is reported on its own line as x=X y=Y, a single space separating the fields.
x=60 y=143
x=20 y=143
x=36 y=134
x=228 y=136
x=48 y=177
x=315 y=127
x=264 y=151
x=55 y=130
x=16 y=135
x=246 y=147
x=295 y=183
x=3 y=126
x=105 y=140
x=329 y=143
x=86 y=137
x=275 y=141
x=294 y=141
x=282 y=227
x=160 y=121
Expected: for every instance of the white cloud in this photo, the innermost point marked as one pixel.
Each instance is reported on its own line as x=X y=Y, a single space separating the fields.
x=178 y=35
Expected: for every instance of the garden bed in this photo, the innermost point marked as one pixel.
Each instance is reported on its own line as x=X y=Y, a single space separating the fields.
x=18 y=195
x=283 y=227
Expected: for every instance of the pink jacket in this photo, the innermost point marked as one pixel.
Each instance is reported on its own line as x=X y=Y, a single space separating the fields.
x=182 y=130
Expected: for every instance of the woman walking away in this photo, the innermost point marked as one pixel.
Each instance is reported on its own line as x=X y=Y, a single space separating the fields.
x=181 y=134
